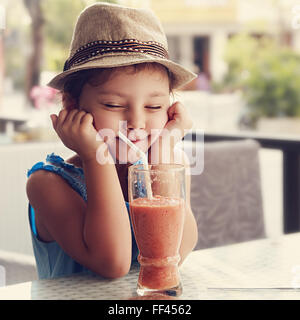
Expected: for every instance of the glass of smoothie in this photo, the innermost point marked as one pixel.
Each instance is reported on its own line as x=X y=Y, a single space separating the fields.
x=157 y=217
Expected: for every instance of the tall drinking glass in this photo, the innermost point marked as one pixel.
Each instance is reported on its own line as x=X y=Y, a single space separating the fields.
x=157 y=219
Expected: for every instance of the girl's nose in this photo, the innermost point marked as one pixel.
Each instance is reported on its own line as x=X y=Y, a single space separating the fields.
x=136 y=120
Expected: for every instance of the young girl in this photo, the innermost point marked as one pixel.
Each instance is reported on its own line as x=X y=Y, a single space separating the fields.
x=118 y=71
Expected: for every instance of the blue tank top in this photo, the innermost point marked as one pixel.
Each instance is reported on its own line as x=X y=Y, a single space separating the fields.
x=50 y=258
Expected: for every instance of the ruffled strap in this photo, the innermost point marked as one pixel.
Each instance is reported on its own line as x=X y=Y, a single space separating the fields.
x=60 y=162
x=73 y=175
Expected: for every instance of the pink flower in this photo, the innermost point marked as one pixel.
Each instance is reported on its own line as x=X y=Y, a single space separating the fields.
x=43 y=97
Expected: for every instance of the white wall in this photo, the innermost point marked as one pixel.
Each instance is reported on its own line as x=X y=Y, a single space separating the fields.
x=15 y=159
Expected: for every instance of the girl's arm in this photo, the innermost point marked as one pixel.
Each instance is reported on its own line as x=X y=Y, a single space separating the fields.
x=97 y=233
x=106 y=226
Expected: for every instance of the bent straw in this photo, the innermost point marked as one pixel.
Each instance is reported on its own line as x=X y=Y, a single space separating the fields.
x=144 y=160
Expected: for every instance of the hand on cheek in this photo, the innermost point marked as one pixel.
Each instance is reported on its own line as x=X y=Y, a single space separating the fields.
x=177 y=125
x=178 y=118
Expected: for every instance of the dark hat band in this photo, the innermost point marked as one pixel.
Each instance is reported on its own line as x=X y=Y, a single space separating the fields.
x=103 y=47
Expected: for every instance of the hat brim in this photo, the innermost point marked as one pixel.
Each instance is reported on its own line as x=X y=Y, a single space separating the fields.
x=181 y=75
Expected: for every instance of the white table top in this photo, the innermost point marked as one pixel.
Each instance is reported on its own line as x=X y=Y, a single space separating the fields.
x=260 y=269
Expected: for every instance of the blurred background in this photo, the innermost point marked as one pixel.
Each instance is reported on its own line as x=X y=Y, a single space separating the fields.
x=246 y=55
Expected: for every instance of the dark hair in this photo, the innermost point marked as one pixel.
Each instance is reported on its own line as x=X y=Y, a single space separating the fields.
x=75 y=82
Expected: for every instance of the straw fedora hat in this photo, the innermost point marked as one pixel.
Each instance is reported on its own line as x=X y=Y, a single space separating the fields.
x=109 y=35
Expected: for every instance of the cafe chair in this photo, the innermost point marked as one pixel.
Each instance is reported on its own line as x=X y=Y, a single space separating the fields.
x=226 y=197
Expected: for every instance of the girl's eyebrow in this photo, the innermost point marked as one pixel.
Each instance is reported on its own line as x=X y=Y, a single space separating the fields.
x=111 y=93
x=158 y=94
x=124 y=95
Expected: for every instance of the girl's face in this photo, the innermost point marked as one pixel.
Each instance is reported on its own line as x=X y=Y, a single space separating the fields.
x=133 y=101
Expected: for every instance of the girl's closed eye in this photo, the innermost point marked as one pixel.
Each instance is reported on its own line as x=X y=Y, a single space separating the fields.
x=153 y=107
x=112 y=106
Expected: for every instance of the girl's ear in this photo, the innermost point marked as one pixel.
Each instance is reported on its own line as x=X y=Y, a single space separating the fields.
x=68 y=101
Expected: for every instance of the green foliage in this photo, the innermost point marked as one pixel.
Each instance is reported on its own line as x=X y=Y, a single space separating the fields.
x=269 y=76
x=16 y=38
x=273 y=87
x=61 y=16
x=240 y=55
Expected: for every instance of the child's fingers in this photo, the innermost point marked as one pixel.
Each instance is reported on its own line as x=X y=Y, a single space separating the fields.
x=78 y=117
x=176 y=110
x=173 y=110
x=54 y=120
x=87 y=119
x=68 y=121
x=61 y=117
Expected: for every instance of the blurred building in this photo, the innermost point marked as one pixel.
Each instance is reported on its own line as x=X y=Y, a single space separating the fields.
x=198 y=30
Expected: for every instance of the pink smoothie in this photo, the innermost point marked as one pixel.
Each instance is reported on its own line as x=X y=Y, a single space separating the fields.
x=158 y=226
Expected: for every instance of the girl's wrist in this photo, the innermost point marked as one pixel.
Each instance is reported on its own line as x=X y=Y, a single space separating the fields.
x=100 y=153
x=162 y=152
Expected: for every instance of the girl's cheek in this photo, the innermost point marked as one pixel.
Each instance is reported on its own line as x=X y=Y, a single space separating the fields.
x=161 y=121
x=103 y=122
x=157 y=125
